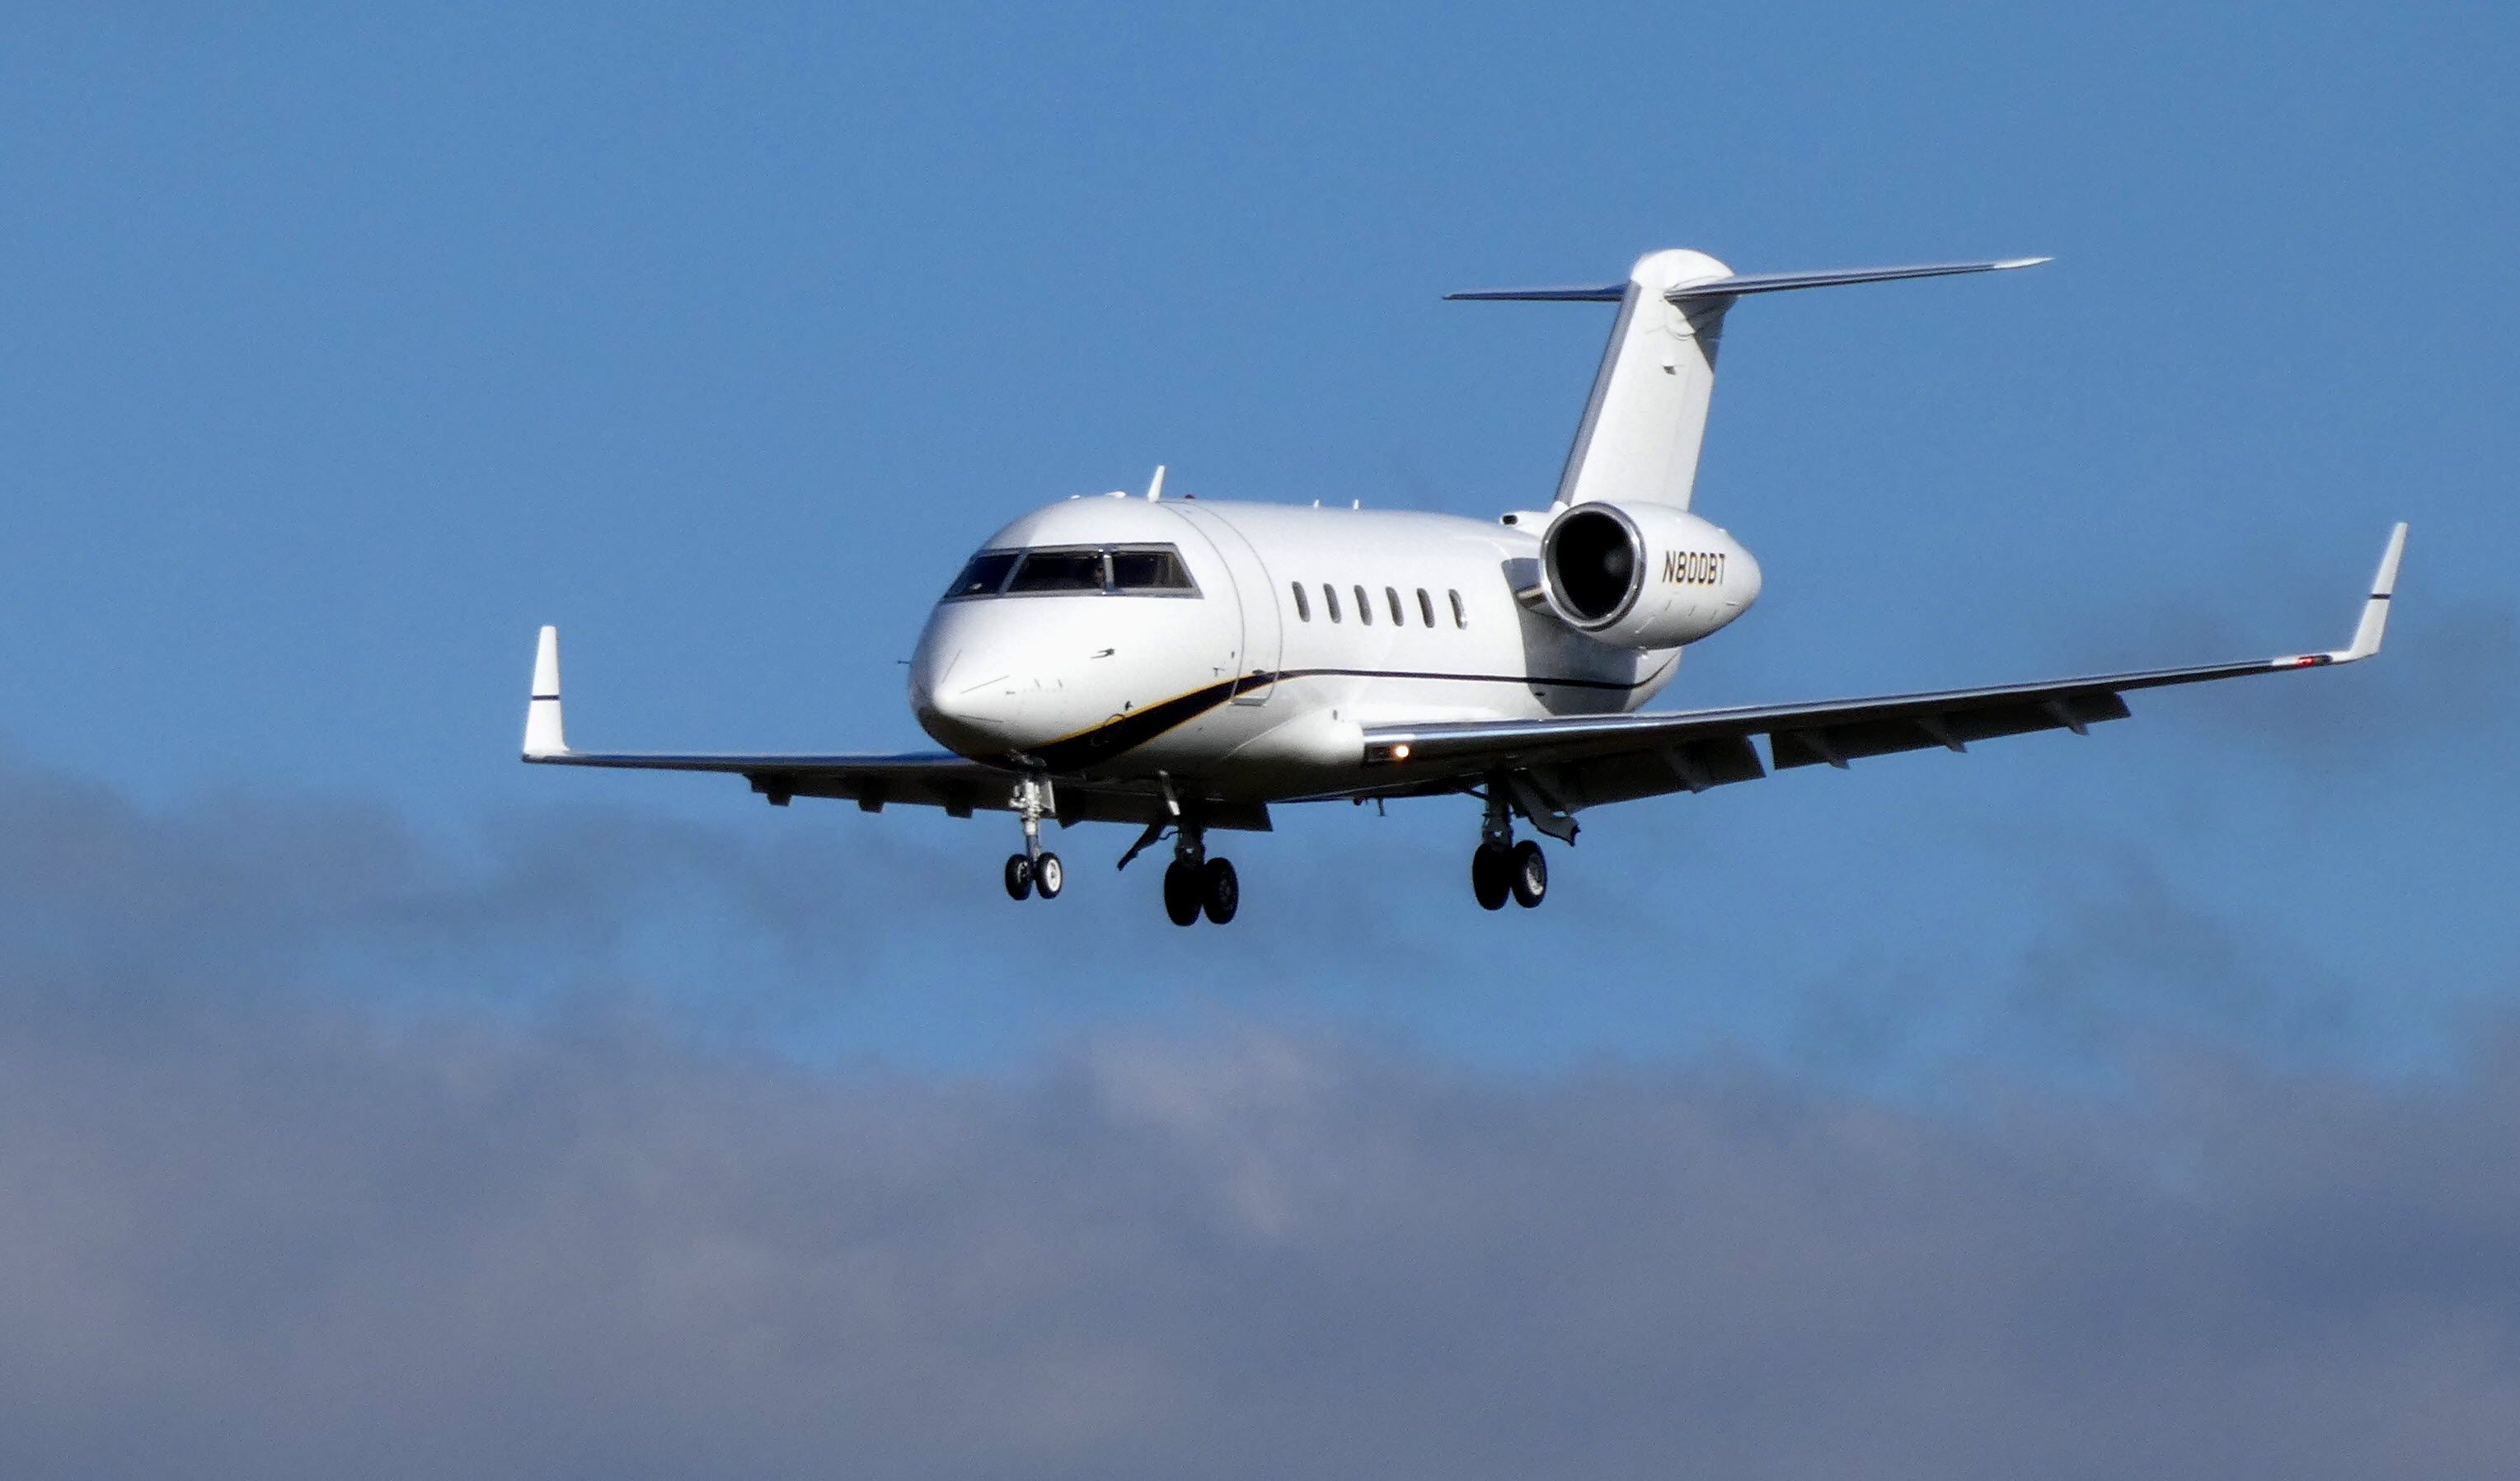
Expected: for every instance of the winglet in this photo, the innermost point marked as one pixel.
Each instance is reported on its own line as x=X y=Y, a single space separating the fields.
x=2375 y=610
x=543 y=739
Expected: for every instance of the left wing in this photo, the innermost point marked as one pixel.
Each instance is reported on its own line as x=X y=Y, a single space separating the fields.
x=1558 y=765
x=932 y=779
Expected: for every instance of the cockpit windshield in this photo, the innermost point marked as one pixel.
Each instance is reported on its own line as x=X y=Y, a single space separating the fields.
x=983 y=576
x=1115 y=570
x=1059 y=570
x=1150 y=568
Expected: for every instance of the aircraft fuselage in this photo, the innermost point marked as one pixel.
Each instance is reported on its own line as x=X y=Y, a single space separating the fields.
x=1299 y=626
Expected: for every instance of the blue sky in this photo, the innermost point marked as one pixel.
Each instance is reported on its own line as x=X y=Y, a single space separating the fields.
x=370 y=1104
x=347 y=348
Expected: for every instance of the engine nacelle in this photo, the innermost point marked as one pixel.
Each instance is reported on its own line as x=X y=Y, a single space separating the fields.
x=1644 y=575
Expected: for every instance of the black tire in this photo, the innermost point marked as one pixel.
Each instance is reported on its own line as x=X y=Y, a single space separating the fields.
x=1183 y=887
x=1529 y=873
x=1223 y=890
x=1018 y=878
x=1049 y=877
x=1491 y=870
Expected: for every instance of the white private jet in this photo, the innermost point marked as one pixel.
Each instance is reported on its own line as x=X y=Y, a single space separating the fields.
x=1185 y=665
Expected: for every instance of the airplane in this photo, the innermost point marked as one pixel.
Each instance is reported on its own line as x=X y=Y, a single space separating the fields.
x=1187 y=664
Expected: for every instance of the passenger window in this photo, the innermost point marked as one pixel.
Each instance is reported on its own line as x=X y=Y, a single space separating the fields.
x=1364 y=608
x=1425 y=607
x=1329 y=598
x=1391 y=594
x=986 y=572
x=1153 y=568
x=1059 y=570
x=1303 y=608
x=1461 y=614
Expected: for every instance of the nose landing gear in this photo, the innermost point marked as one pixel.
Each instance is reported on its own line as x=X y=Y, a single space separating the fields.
x=1499 y=867
x=1036 y=869
x=1044 y=874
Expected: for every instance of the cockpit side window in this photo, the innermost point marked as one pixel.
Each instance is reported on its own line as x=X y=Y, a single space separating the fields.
x=984 y=576
x=1059 y=570
x=1148 y=570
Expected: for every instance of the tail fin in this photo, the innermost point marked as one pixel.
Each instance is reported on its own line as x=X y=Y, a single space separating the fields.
x=1647 y=418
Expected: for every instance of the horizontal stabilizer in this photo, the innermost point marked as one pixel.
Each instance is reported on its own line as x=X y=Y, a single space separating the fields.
x=1606 y=293
x=1735 y=285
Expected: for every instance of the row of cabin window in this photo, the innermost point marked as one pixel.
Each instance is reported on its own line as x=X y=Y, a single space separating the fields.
x=1365 y=606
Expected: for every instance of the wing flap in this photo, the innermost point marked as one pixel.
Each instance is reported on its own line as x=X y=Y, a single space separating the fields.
x=1950 y=729
x=959 y=786
x=933 y=779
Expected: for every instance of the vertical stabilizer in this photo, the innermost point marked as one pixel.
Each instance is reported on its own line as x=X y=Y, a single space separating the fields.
x=1647 y=413
x=1641 y=429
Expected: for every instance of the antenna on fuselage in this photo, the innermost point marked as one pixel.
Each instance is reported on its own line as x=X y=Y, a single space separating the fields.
x=1155 y=485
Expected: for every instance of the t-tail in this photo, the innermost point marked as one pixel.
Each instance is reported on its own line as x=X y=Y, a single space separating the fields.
x=1647 y=418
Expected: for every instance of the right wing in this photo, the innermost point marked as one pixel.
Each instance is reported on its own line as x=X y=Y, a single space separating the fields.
x=1556 y=765
x=931 y=779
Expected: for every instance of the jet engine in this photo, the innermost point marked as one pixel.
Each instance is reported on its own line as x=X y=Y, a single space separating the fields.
x=1644 y=575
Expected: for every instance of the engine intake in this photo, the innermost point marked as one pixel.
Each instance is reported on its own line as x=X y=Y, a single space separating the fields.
x=1594 y=560
x=1646 y=575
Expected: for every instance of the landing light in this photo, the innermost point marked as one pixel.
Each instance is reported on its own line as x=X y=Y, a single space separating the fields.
x=1400 y=753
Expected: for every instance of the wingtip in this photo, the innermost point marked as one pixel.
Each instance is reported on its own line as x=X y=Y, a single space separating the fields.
x=2387 y=580
x=544 y=735
x=2374 y=625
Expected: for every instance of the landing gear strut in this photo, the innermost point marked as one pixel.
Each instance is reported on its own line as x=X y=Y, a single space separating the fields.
x=1036 y=869
x=1499 y=867
x=1195 y=883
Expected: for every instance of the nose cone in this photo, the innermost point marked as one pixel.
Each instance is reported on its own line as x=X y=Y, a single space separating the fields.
x=968 y=710
x=1742 y=579
x=991 y=678
x=1018 y=674
x=978 y=719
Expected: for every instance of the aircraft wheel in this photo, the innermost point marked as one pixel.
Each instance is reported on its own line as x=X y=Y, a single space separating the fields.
x=1048 y=875
x=1529 y=873
x=1183 y=887
x=1490 y=875
x=1224 y=892
x=1019 y=877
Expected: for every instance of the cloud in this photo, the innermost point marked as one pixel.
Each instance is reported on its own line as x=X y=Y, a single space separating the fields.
x=258 y=1224
x=422 y=1253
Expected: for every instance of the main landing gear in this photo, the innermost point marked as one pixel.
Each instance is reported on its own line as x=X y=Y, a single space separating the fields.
x=1195 y=883
x=1036 y=869
x=1499 y=867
